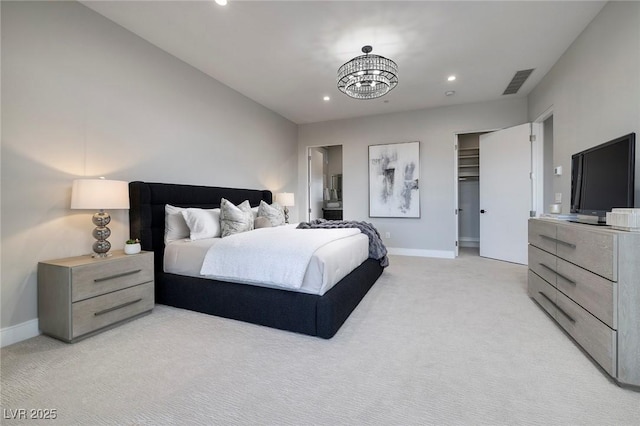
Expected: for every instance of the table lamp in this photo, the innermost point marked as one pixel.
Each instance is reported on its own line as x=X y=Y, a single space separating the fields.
x=286 y=199
x=100 y=194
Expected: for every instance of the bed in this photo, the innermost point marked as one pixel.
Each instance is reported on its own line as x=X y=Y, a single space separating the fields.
x=311 y=314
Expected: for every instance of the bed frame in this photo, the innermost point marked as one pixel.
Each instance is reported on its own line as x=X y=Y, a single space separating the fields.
x=304 y=313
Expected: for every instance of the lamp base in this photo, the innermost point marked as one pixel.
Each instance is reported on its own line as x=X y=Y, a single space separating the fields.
x=101 y=232
x=286 y=215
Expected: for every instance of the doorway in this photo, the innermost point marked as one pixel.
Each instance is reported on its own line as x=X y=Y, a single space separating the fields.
x=325 y=175
x=499 y=186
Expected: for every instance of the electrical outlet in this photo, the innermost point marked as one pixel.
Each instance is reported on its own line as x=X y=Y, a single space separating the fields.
x=558 y=197
x=387 y=234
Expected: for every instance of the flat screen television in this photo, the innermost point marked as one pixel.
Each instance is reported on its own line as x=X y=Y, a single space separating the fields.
x=603 y=178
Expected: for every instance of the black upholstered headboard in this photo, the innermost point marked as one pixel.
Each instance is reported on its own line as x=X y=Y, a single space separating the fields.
x=147 y=201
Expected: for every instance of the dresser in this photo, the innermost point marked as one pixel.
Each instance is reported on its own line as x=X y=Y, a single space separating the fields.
x=81 y=296
x=587 y=278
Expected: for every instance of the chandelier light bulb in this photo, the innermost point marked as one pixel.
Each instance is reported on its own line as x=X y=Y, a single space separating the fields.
x=222 y=2
x=358 y=84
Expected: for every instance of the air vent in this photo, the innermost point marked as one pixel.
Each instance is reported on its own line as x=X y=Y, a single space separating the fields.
x=517 y=81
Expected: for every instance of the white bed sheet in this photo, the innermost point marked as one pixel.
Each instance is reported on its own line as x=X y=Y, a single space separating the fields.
x=327 y=267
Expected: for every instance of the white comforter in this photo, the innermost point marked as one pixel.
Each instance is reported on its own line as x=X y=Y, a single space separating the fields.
x=275 y=256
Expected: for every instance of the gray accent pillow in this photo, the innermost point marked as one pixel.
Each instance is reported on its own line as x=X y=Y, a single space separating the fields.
x=261 y=222
x=235 y=219
x=273 y=212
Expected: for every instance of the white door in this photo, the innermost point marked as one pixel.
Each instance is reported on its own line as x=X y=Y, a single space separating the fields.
x=505 y=193
x=316 y=182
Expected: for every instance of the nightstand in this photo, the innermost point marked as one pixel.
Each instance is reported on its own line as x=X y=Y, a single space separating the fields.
x=81 y=296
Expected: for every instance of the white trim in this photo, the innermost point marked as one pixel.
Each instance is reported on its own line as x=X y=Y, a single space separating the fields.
x=442 y=254
x=546 y=114
x=19 y=332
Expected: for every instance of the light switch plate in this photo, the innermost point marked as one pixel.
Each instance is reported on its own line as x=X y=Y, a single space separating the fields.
x=558 y=198
x=557 y=171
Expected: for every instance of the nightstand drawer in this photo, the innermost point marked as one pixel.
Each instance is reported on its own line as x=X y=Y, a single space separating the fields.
x=106 y=276
x=98 y=312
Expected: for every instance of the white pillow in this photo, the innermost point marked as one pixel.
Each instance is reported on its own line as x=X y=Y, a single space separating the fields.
x=235 y=219
x=202 y=223
x=175 y=228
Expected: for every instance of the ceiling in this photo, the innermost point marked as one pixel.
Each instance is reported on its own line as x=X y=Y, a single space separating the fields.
x=285 y=54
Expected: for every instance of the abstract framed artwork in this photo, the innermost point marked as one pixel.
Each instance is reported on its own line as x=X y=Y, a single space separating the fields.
x=394 y=172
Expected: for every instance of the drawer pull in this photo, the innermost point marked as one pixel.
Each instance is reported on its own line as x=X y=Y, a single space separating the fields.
x=105 y=311
x=564 y=243
x=555 y=240
x=557 y=307
x=547 y=267
x=570 y=281
x=111 y=277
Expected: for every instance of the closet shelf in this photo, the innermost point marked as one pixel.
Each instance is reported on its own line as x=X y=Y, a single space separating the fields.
x=469 y=156
x=467 y=165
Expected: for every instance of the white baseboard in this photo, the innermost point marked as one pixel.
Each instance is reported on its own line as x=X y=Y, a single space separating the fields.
x=443 y=254
x=19 y=332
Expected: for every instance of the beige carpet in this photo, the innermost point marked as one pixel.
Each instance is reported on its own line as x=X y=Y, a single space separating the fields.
x=435 y=341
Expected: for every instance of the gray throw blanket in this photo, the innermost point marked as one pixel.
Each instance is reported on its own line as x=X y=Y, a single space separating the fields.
x=377 y=250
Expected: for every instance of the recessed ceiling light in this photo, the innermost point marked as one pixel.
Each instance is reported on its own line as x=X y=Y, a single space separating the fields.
x=326 y=98
x=451 y=78
x=450 y=92
x=222 y=2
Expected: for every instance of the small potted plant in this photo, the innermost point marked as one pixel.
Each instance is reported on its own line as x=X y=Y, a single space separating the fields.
x=132 y=246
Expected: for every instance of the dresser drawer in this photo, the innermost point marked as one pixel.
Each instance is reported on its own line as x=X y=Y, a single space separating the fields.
x=543 y=235
x=540 y=291
x=594 y=251
x=543 y=264
x=594 y=293
x=98 y=312
x=106 y=276
x=595 y=337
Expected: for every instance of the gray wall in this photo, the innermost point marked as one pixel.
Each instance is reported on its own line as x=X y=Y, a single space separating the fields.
x=84 y=97
x=434 y=233
x=594 y=90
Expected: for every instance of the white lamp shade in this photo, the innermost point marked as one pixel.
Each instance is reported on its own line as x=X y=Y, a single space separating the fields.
x=92 y=194
x=285 y=199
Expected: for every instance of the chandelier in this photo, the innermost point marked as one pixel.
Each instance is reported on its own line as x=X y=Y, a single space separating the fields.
x=367 y=76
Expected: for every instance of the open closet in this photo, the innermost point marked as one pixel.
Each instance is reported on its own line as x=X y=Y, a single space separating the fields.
x=469 y=190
